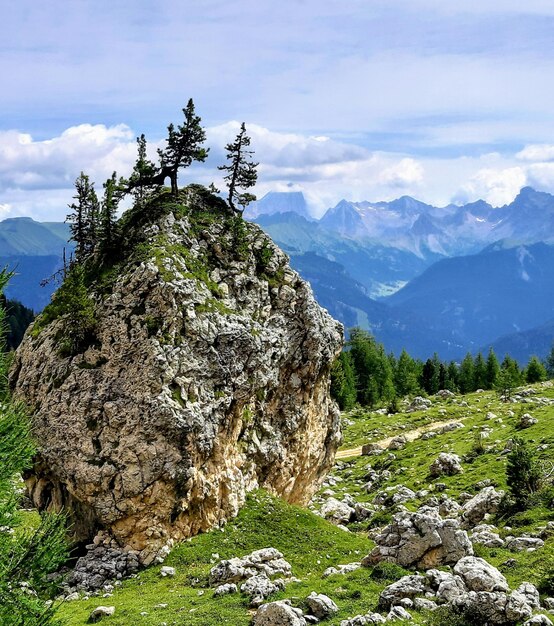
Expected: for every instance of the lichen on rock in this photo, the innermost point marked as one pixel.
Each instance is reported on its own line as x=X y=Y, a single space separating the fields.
x=208 y=377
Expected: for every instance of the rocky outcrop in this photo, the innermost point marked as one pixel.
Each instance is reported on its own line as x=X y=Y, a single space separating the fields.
x=422 y=538
x=207 y=377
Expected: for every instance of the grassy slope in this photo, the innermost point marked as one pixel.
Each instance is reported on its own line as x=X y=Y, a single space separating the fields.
x=311 y=545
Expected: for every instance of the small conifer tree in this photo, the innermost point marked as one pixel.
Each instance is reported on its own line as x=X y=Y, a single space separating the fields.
x=143 y=171
x=84 y=216
x=184 y=145
x=241 y=171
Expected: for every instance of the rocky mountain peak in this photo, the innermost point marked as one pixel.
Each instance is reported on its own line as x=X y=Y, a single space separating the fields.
x=206 y=376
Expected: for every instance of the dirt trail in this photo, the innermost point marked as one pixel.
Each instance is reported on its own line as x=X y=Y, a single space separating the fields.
x=410 y=435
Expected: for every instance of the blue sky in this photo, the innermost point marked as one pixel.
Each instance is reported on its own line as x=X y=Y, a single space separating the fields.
x=363 y=99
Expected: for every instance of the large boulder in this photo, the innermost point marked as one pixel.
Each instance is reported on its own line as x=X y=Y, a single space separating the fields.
x=206 y=375
x=422 y=538
x=483 y=503
x=478 y=575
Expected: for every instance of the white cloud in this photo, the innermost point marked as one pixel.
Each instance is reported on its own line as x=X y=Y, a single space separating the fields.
x=537 y=152
x=496 y=186
x=406 y=173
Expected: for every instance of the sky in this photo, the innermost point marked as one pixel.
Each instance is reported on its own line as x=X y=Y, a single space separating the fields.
x=358 y=99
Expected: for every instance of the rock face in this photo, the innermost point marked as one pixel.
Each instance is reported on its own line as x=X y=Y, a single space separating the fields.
x=208 y=376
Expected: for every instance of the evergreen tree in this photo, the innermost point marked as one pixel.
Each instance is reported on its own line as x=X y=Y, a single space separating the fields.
x=405 y=376
x=83 y=219
x=430 y=376
x=523 y=473
x=343 y=382
x=452 y=377
x=479 y=372
x=241 y=171
x=535 y=372
x=184 y=146
x=113 y=194
x=493 y=370
x=509 y=377
x=143 y=171
x=374 y=375
x=27 y=556
x=466 y=377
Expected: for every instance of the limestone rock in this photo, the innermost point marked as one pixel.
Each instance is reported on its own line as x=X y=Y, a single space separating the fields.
x=259 y=587
x=225 y=589
x=398 y=613
x=207 y=377
x=341 y=569
x=531 y=593
x=267 y=561
x=485 y=502
x=321 y=605
x=406 y=587
x=100 y=565
x=421 y=538
x=278 y=614
x=364 y=620
x=337 y=512
x=446 y=464
x=484 y=535
x=479 y=575
x=519 y=544
x=100 y=612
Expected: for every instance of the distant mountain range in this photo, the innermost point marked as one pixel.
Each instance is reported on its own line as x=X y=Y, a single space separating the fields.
x=447 y=279
x=33 y=251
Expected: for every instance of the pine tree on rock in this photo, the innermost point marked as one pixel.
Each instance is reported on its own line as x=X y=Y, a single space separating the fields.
x=83 y=219
x=143 y=171
x=241 y=171
x=184 y=146
x=113 y=193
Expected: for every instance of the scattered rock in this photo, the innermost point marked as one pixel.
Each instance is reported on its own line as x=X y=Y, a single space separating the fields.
x=225 y=589
x=372 y=449
x=260 y=587
x=484 y=535
x=364 y=620
x=527 y=420
x=422 y=538
x=336 y=511
x=445 y=393
x=419 y=404
x=398 y=613
x=485 y=502
x=100 y=612
x=278 y=614
x=398 y=442
x=406 y=587
x=478 y=575
x=167 y=571
x=341 y=569
x=321 y=605
x=447 y=428
x=446 y=464
x=268 y=561
x=531 y=594
x=100 y=565
x=519 y=544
